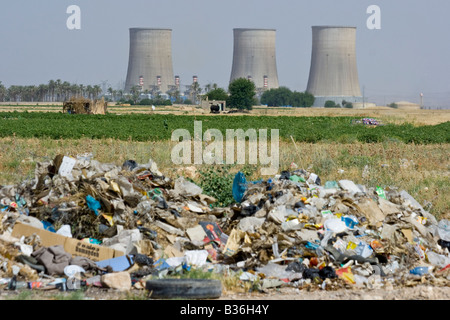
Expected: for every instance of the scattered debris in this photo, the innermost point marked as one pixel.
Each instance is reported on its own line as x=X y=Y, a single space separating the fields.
x=80 y=223
x=368 y=122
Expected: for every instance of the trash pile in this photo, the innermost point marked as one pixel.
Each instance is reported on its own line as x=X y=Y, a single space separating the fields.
x=371 y=121
x=83 y=223
x=368 y=122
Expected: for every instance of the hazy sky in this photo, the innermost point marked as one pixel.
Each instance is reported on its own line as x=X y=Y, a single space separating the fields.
x=410 y=54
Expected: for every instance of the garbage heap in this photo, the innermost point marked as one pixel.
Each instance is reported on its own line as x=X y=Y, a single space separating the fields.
x=80 y=223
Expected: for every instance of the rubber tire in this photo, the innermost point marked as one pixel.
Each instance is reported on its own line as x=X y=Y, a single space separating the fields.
x=184 y=288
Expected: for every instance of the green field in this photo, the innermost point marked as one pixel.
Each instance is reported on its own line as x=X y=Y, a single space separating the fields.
x=157 y=127
x=401 y=155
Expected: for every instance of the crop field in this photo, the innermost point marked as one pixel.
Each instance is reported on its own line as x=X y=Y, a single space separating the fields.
x=159 y=127
x=400 y=154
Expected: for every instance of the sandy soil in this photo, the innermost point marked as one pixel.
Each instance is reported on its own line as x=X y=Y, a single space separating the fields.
x=397 y=116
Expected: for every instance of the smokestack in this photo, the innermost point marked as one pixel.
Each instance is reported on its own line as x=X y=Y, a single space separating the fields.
x=150 y=60
x=254 y=57
x=334 y=74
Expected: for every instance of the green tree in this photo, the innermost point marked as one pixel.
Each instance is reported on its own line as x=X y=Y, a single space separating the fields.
x=2 y=92
x=195 y=91
x=347 y=104
x=393 y=105
x=283 y=96
x=330 y=104
x=277 y=97
x=97 y=90
x=51 y=89
x=302 y=99
x=242 y=94
x=135 y=93
x=217 y=94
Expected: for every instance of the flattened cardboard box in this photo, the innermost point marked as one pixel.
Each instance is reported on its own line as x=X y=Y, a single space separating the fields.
x=73 y=246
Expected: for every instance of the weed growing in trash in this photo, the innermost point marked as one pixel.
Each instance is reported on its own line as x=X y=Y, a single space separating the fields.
x=217 y=182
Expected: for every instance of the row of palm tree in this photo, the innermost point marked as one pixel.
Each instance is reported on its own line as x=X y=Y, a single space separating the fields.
x=53 y=91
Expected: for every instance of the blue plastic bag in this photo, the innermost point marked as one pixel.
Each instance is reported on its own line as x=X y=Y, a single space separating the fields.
x=93 y=204
x=239 y=186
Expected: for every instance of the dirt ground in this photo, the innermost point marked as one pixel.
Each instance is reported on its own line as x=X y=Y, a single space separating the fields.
x=418 y=292
x=396 y=116
x=422 y=292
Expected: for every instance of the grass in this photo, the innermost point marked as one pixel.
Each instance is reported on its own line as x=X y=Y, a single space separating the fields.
x=27 y=294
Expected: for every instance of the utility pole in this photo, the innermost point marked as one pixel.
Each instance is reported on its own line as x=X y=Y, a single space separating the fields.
x=364 y=102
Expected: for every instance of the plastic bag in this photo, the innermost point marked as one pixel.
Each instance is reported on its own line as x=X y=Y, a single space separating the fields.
x=444 y=230
x=187 y=188
x=93 y=204
x=438 y=260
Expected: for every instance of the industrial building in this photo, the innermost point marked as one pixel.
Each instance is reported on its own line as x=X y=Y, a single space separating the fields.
x=333 y=73
x=150 y=63
x=254 y=57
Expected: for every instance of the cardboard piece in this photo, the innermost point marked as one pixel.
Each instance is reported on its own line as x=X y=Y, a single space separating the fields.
x=196 y=233
x=234 y=242
x=73 y=246
x=370 y=210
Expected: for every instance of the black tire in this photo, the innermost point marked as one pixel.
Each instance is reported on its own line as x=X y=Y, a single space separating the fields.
x=184 y=288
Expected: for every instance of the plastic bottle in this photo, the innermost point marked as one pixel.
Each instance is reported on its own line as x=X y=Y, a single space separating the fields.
x=144 y=207
x=419 y=270
x=14 y=284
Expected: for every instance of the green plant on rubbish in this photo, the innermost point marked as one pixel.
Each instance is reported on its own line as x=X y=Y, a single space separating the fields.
x=217 y=182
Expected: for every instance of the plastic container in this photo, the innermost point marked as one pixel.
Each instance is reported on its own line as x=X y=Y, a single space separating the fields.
x=419 y=270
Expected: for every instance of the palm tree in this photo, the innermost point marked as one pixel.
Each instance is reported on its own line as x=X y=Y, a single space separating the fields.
x=41 y=92
x=82 y=90
x=97 y=90
x=135 y=93
x=195 y=92
x=2 y=92
x=89 y=91
x=111 y=91
x=65 y=88
x=58 y=89
x=74 y=90
x=14 y=93
x=51 y=89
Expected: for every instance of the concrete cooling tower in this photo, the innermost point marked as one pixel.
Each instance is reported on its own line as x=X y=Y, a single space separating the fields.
x=150 y=62
x=254 y=57
x=333 y=74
